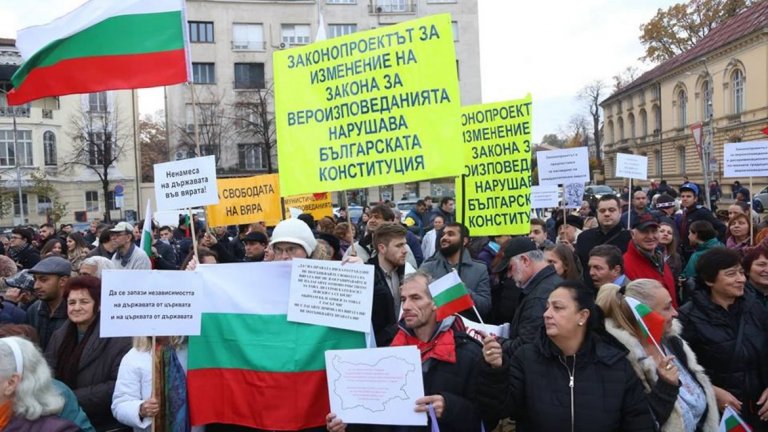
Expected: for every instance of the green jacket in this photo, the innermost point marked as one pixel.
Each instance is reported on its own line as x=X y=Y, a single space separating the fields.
x=690 y=268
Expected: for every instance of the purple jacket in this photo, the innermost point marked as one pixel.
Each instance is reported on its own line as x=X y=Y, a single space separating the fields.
x=49 y=423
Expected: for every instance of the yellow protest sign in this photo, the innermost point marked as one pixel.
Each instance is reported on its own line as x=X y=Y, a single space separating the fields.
x=497 y=171
x=370 y=108
x=246 y=200
x=318 y=204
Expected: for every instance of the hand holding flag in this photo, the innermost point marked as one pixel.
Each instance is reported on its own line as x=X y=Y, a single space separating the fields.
x=731 y=422
x=650 y=322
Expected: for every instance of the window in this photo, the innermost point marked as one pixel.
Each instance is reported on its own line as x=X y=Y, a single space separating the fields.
x=248 y=37
x=621 y=129
x=336 y=30
x=657 y=160
x=91 y=201
x=643 y=123
x=97 y=102
x=249 y=75
x=48 y=114
x=737 y=86
x=203 y=73
x=631 y=119
x=295 y=34
x=24 y=203
x=458 y=70
x=99 y=148
x=8 y=149
x=111 y=204
x=49 y=148
x=681 y=159
x=250 y=156
x=682 y=109
x=706 y=101
x=392 y=6
x=455 y=28
x=43 y=205
x=341 y=1
x=656 y=120
x=610 y=132
x=201 y=31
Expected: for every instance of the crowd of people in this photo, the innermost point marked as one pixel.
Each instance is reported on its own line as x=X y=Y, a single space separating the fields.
x=574 y=349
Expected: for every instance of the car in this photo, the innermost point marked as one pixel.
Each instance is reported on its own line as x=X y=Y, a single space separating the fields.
x=592 y=193
x=405 y=206
x=760 y=202
x=354 y=212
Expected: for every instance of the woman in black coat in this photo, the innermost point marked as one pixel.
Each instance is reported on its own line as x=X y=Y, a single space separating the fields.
x=574 y=377
x=727 y=328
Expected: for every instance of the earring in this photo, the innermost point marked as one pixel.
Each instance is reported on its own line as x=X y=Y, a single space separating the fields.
x=581 y=324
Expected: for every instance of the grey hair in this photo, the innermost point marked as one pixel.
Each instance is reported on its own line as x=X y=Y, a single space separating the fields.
x=35 y=394
x=642 y=289
x=411 y=277
x=100 y=263
x=535 y=255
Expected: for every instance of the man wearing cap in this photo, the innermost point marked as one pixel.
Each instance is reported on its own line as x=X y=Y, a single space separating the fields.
x=639 y=206
x=568 y=232
x=255 y=245
x=11 y=312
x=693 y=212
x=127 y=256
x=609 y=231
x=664 y=209
x=291 y=239
x=643 y=261
x=526 y=264
x=21 y=250
x=49 y=312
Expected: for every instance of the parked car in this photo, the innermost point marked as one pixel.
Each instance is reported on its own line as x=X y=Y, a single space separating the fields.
x=760 y=202
x=405 y=206
x=592 y=193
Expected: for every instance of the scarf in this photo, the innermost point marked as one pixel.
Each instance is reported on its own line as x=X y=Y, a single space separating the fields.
x=170 y=389
x=70 y=352
x=6 y=414
x=441 y=347
x=127 y=257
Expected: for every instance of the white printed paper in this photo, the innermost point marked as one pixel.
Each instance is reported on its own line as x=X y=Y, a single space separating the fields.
x=573 y=195
x=544 y=196
x=186 y=183
x=490 y=329
x=563 y=166
x=632 y=166
x=745 y=159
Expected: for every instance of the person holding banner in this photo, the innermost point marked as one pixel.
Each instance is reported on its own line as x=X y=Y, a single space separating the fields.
x=679 y=392
x=292 y=238
x=449 y=358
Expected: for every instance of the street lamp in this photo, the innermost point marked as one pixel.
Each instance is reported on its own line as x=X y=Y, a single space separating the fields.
x=16 y=154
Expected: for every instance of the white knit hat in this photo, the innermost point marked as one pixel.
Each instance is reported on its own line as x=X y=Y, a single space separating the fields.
x=294 y=231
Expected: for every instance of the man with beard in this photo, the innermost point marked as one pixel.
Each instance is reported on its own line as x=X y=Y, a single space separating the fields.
x=50 y=311
x=45 y=233
x=389 y=268
x=364 y=249
x=453 y=255
x=609 y=231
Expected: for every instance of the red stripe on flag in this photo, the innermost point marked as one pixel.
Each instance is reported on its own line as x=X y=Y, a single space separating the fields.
x=263 y=400
x=655 y=323
x=459 y=305
x=95 y=74
x=765 y=131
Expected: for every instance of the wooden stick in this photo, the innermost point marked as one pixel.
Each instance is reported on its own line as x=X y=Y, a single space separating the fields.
x=154 y=381
x=751 y=221
x=478 y=314
x=192 y=230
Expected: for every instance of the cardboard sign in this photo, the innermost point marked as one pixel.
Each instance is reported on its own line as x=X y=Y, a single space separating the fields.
x=319 y=205
x=632 y=166
x=745 y=159
x=545 y=196
x=563 y=166
x=186 y=183
x=246 y=200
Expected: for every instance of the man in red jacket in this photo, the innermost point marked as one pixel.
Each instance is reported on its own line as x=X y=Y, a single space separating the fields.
x=643 y=260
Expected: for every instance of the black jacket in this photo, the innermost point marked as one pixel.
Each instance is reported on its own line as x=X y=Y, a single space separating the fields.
x=617 y=236
x=689 y=216
x=383 y=315
x=166 y=256
x=532 y=387
x=39 y=317
x=27 y=257
x=712 y=332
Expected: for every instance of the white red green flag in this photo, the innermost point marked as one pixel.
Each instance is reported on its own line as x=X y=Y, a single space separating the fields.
x=450 y=295
x=650 y=322
x=146 y=232
x=103 y=45
x=731 y=422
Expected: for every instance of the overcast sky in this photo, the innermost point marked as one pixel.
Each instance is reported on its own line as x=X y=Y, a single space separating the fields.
x=548 y=48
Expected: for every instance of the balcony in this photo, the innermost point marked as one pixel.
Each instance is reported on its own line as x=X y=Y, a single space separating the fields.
x=249 y=45
x=21 y=111
x=391 y=7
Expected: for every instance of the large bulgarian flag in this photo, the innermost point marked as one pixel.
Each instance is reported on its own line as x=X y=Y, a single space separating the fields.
x=450 y=295
x=650 y=322
x=252 y=367
x=731 y=422
x=103 y=45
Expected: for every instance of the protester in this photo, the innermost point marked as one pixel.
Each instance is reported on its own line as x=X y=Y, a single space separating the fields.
x=538 y=233
x=50 y=311
x=429 y=242
x=668 y=246
x=665 y=209
x=563 y=259
x=345 y=232
x=715 y=192
x=606 y=265
x=727 y=328
x=742 y=207
x=643 y=259
x=693 y=212
x=703 y=237
x=449 y=358
x=490 y=249
x=7 y=267
x=571 y=351
x=29 y=401
x=52 y=246
x=292 y=238
x=21 y=250
x=739 y=234
x=446 y=210
x=609 y=231
x=585 y=210
x=255 y=244
x=106 y=247
x=453 y=255
x=389 y=269
x=77 y=250
x=639 y=206
x=362 y=224
x=81 y=358
x=127 y=256
x=568 y=232
x=362 y=249
x=45 y=233
x=755 y=265
x=505 y=294
x=679 y=392
x=414 y=220
x=94 y=265
x=17 y=297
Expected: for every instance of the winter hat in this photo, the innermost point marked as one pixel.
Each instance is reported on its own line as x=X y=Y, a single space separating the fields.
x=294 y=231
x=665 y=201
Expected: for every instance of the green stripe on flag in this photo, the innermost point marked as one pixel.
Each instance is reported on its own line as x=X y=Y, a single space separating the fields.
x=643 y=309
x=450 y=294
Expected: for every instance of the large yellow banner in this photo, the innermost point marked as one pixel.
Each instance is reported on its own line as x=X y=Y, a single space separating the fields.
x=246 y=200
x=318 y=204
x=497 y=171
x=370 y=108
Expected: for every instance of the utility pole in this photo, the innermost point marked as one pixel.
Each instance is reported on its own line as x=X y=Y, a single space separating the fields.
x=18 y=165
x=708 y=145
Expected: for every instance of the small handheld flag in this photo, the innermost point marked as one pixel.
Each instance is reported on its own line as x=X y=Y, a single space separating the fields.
x=731 y=422
x=650 y=322
x=146 y=231
x=450 y=295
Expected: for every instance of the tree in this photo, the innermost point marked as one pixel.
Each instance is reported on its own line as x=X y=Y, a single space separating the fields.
x=625 y=77
x=591 y=95
x=42 y=187
x=255 y=119
x=99 y=140
x=154 y=144
x=553 y=140
x=675 y=30
x=215 y=127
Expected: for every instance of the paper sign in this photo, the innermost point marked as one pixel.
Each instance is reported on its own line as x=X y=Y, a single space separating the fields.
x=545 y=196
x=186 y=183
x=573 y=194
x=745 y=159
x=331 y=294
x=497 y=330
x=376 y=386
x=370 y=108
x=246 y=200
x=632 y=166
x=563 y=166
x=150 y=303
x=319 y=205
x=497 y=168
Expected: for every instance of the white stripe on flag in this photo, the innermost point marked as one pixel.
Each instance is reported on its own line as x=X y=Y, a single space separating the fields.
x=445 y=282
x=249 y=288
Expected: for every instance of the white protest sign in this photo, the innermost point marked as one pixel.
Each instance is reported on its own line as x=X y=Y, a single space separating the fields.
x=745 y=159
x=186 y=183
x=496 y=330
x=563 y=166
x=376 y=386
x=544 y=196
x=150 y=303
x=573 y=195
x=632 y=166
x=331 y=294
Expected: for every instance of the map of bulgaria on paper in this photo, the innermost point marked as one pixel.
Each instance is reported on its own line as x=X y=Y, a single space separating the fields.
x=376 y=386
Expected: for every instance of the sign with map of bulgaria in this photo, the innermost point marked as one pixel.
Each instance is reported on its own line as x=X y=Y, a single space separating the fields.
x=376 y=386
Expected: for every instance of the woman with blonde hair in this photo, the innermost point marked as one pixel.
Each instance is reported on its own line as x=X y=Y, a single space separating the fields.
x=679 y=392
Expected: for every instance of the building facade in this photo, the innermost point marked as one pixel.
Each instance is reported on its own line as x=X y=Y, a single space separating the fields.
x=51 y=134
x=721 y=83
x=232 y=43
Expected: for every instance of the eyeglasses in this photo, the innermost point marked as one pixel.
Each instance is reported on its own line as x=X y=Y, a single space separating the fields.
x=290 y=250
x=15 y=237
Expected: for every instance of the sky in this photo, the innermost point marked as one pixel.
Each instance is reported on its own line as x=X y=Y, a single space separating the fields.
x=550 y=48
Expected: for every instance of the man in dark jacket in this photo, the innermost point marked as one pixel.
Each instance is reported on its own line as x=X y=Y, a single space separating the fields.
x=693 y=212
x=414 y=220
x=449 y=358
x=639 y=206
x=453 y=255
x=537 y=279
x=609 y=231
x=21 y=249
x=446 y=210
x=49 y=312
x=389 y=268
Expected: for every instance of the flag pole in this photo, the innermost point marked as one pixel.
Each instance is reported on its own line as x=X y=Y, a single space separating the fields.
x=751 y=222
x=154 y=377
x=192 y=230
x=478 y=314
x=194 y=119
x=629 y=210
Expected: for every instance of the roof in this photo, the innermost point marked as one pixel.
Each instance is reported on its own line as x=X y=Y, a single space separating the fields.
x=749 y=21
x=7 y=42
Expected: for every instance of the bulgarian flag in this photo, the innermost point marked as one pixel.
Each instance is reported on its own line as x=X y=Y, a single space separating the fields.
x=650 y=322
x=103 y=45
x=146 y=232
x=252 y=367
x=731 y=422
x=450 y=295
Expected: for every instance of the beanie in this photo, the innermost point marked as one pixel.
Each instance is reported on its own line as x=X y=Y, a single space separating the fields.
x=294 y=231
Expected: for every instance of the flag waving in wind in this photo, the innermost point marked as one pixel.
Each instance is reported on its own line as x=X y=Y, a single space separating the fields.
x=731 y=422
x=103 y=45
x=146 y=232
x=650 y=322
x=450 y=295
